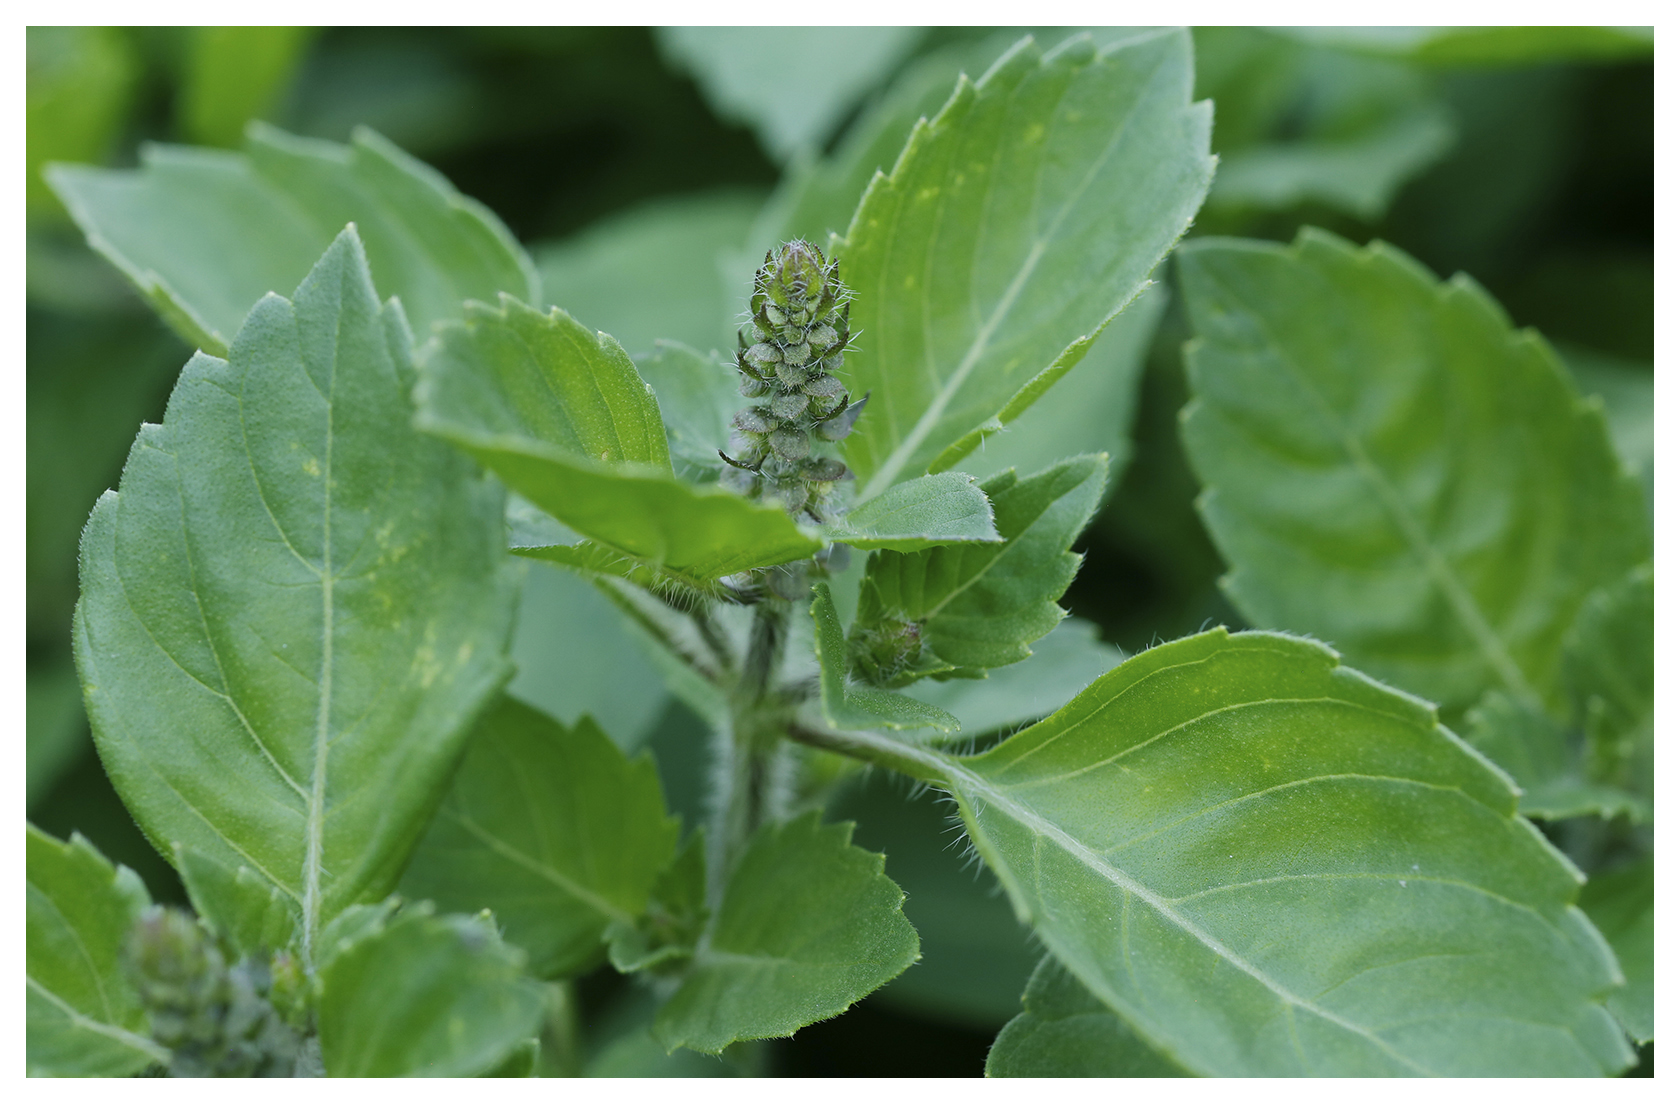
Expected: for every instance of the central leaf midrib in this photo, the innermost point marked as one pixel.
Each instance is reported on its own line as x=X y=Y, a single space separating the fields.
x=316 y=824
x=538 y=867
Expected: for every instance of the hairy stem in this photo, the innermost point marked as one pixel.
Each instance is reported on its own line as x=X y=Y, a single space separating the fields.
x=746 y=778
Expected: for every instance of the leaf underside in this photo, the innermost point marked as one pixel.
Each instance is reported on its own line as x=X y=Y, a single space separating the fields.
x=1064 y=1031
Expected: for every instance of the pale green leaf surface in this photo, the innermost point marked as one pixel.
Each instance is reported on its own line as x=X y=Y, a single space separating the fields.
x=234 y=75
x=1062 y=664
x=862 y=707
x=947 y=508
x=295 y=605
x=1064 y=1031
x=808 y=926
x=1390 y=467
x=659 y=270
x=1267 y=863
x=698 y=399
x=1544 y=758
x=559 y=413
x=203 y=233
x=1621 y=903
x=1013 y=227
x=552 y=829
x=84 y=1018
x=983 y=605
x=420 y=995
x=1610 y=669
x=249 y=913
x=744 y=73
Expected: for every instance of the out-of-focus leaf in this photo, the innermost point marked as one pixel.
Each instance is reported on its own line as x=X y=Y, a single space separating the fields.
x=1266 y=862
x=983 y=605
x=203 y=234
x=552 y=829
x=1467 y=47
x=661 y=270
x=295 y=604
x=1064 y=1031
x=234 y=75
x=56 y=728
x=78 y=80
x=559 y=413
x=1621 y=904
x=249 y=913
x=948 y=508
x=1628 y=391
x=1609 y=666
x=419 y=995
x=1544 y=758
x=808 y=925
x=1390 y=467
x=862 y=707
x=84 y=1017
x=1083 y=166
x=697 y=398
x=1062 y=664
x=791 y=84
x=1297 y=124
x=669 y=928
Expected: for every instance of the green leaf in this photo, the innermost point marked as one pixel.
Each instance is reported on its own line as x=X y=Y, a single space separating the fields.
x=698 y=399
x=1389 y=467
x=561 y=415
x=658 y=270
x=861 y=707
x=808 y=925
x=550 y=827
x=1621 y=904
x=1012 y=229
x=936 y=509
x=1627 y=389
x=55 y=729
x=84 y=1017
x=668 y=931
x=78 y=81
x=744 y=73
x=203 y=234
x=983 y=605
x=1267 y=863
x=1062 y=664
x=295 y=605
x=1299 y=124
x=425 y=996
x=1064 y=1031
x=1609 y=667
x=233 y=75
x=248 y=913
x=1546 y=760
x=1488 y=46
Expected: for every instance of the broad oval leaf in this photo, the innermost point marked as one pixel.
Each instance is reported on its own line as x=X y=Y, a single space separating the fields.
x=559 y=413
x=983 y=605
x=1064 y=1031
x=84 y=1017
x=418 y=995
x=552 y=829
x=1013 y=228
x=948 y=508
x=808 y=925
x=203 y=233
x=1390 y=467
x=295 y=605
x=1269 y=864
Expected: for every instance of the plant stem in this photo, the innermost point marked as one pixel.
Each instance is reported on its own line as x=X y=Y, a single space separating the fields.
x=747 y=795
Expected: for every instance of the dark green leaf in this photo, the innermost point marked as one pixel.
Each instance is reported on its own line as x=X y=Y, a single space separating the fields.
x=1267 y=863
x=84 y=1017
x=1621 y=904
x=669 y=929
x=808 y=925
x=1064 y=1031
x=55 y=730
x=862 y=707
x=1393 y=469
x=551 y=828
x=78 y=84
x=938 y=509
x=295 y=605
x=1609 y=666
x=983 y=605
x=234 y=75
x=1489 y=46
x=1012 y=229
x=203 y=234
x=1546 y=760
x=1628 y=391
x=561 y=415
x=420 y=995
x=249 y=913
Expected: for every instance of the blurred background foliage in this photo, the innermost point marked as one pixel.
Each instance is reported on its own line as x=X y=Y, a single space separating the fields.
x=647 y=170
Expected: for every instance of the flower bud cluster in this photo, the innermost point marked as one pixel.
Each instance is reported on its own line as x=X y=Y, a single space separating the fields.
x=216 y=1020
x=796 y=338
